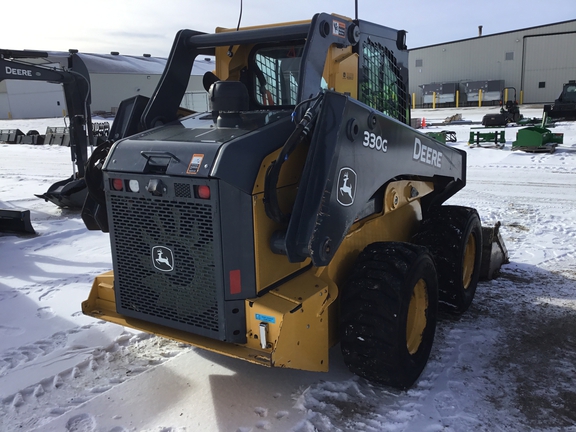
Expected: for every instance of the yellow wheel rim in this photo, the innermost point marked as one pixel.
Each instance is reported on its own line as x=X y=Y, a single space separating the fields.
x=468 y=261
x=416 y=316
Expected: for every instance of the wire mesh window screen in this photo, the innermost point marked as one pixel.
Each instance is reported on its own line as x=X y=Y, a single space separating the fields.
x=382 y=87
x=276 y=75
x=266 y=80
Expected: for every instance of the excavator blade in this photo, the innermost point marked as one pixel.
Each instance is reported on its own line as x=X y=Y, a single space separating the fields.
x=494 y=252
x=16 y=221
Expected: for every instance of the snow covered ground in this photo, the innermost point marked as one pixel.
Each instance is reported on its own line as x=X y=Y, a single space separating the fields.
x=508 y=364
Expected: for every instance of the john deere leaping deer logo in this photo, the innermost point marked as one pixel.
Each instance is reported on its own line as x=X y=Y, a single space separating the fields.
x=346 y=186
x=163 y=258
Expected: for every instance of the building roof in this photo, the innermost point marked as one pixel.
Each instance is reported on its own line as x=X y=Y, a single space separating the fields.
x=127 y=64
x=496 y=34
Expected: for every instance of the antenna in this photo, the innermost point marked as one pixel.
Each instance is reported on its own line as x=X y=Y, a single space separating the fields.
x=230 y=53
x=356 y=9
x=240 y=17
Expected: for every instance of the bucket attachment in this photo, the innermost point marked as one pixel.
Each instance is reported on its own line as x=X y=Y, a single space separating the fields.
x=16 y=221
x=69 y=193
x=537 y=139
x=494 y=253
x=10 y=136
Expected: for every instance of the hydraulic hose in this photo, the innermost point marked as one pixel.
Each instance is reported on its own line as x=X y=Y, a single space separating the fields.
x=93 y=175
x=302 y=131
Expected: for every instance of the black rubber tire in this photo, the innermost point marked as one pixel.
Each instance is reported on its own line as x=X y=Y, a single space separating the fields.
x=375 y=306
x=446 y=233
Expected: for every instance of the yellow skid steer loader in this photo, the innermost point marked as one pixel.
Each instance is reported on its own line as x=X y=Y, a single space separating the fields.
x=299 y=212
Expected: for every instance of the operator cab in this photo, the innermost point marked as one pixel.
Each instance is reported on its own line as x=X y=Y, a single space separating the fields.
x=270 y=75
x=275 y=74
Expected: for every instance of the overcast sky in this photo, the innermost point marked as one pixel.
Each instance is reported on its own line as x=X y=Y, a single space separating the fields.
x=149 y=26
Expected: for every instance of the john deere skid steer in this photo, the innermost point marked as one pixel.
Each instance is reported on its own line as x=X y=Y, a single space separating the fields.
x=301 y=211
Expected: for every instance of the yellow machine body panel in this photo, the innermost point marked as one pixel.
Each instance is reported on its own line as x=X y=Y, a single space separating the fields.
x=296 y=316
x=292 y=323
x=341 y=71
x=271 y=267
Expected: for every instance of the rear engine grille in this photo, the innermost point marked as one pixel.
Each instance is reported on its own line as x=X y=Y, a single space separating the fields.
x=184 y=298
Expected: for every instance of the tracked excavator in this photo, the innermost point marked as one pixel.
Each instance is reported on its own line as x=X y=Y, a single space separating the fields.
x=301 y=211
x=75 y=80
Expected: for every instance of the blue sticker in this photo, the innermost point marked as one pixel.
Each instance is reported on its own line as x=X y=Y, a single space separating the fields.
x=266 y=318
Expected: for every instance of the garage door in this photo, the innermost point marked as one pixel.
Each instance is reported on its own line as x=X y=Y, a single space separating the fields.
x=549 y=62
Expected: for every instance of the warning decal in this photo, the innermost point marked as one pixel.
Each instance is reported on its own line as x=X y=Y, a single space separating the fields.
x=339 y=29
x=195 y=163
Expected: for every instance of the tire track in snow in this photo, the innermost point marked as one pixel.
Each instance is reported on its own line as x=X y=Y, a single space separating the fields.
x=102 y=369
x=14 y=358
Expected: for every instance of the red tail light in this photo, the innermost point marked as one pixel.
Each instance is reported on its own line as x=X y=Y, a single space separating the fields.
x=235 y=282
x=117 y=184
x=202 y=191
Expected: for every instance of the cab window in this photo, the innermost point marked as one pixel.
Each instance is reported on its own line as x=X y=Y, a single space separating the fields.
x=276 y=73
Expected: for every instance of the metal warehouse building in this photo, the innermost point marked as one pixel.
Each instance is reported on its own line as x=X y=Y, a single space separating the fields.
x=537 y=61
x=113 y=78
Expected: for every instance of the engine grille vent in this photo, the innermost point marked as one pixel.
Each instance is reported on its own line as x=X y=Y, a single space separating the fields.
x=182 y=190
x=185 y=297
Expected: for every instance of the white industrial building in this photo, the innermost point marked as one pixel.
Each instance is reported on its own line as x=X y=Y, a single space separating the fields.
x=536 y=61
x=113 y=77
